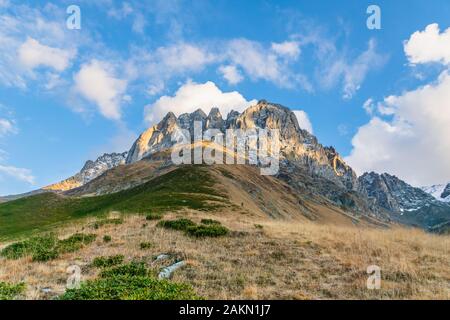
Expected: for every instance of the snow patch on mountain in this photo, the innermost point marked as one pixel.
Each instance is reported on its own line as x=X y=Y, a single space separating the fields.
x=440 y=192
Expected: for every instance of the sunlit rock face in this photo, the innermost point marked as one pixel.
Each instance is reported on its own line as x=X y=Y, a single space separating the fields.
x=90 y=171
x=297 y=146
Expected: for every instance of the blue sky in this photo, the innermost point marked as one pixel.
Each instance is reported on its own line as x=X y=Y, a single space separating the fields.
x=67 y=96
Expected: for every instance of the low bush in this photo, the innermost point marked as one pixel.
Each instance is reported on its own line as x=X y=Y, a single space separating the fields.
x=202 y=231
x=179 y=224
x=125 y=287
x=210 y=221
x=75 y=242
x=146 y=245
x=132 y=269
x=101 y=223
x=10 y=291
x=106 y=238
x=48 y=247
x=106 y=262
x=208 y=228
x=154 y=216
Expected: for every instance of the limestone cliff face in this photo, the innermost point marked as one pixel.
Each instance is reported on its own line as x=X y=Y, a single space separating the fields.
x=297 y=146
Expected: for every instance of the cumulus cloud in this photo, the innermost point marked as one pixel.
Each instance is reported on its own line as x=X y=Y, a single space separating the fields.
x=429 y=46
x=289 y=49
x=414 y=143
x=96 y=81
x=33 y=54
x=192 y=96
x=18 y=173
x=303 y=120
x=231 y=74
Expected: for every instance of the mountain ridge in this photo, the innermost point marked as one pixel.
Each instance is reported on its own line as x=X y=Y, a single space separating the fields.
x=305 y=164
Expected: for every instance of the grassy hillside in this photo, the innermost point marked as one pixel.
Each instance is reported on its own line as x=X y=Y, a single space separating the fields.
x=189 y=186
x=259 y=258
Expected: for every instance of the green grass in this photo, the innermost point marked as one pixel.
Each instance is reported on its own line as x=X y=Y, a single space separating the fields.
x=211 y=228
x=131 y=281
x=47 y=247
x=10 y=291
x=106 y=262
x=187 y=186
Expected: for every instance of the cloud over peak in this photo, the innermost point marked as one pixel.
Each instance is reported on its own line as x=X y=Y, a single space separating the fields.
x=192 y=96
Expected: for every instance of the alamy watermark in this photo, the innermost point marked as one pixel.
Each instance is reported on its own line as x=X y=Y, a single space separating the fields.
x=374 y=279
x=74 y=279
x=256 y=146
x=73 y=22
x=374 y=20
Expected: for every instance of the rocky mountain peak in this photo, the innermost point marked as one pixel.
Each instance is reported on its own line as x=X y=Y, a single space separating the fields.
x=215 y=120
x=90 y=171
x=393 y=193
x=446 y=193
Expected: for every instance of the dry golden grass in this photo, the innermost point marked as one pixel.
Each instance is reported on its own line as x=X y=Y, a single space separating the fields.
x=280 y=260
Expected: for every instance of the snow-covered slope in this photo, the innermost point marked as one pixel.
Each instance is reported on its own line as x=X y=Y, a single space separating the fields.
x=440 y=192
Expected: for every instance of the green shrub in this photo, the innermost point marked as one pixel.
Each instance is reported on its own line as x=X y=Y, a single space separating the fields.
x=133 y=269
x=126 y=287
x=106 y=238
x=101 y=223
x=207 y=231
x=106 y=262
x=210 y=221
x=179 y=224
x=146 y=245
x=15 y=250
x=10 y=291
x=154 y=216
x=44 y=254
x=45 y=248
x=75 y=242
x=211 y=228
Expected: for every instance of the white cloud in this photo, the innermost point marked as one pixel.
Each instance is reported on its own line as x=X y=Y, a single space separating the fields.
x=303 y=120
x=18 y=173
x=231 y=74
x=7 y=127
x=429 y=46
x=183 y=57
x=415 y=143
x=192 y=96
x=97 y=82
x=351 y=73
x=33 y=54
x=289 y=49
x=258 y=62
x=35 y=36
